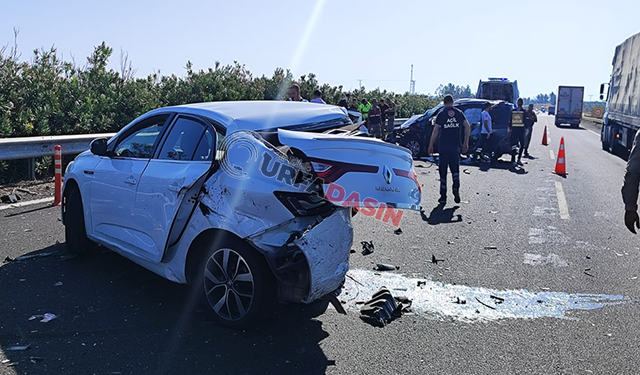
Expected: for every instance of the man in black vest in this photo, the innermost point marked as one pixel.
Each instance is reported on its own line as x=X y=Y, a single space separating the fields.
x=449 y=123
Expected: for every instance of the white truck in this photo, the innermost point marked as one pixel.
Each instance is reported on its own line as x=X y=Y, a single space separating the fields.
x=569 y=105
x=622 y=114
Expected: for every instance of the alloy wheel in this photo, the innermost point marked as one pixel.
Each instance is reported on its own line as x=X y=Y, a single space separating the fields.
x=229 y=284
x=414 y=147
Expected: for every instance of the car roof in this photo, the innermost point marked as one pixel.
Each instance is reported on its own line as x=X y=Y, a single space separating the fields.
x=264 y=115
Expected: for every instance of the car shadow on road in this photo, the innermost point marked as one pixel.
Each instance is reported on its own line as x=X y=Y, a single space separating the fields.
x=113 y=316
x=496 y=165
x=441 y=215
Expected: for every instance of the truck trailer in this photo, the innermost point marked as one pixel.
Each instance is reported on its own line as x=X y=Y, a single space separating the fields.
x=621 y=118
x=569 y=105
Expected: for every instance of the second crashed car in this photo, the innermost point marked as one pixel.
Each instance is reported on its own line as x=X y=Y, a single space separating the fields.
x=230 y=197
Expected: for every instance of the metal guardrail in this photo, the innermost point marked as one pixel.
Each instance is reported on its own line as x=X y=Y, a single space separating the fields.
x=35 y=147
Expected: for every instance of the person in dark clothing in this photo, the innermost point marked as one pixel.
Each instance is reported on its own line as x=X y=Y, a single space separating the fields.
x=448 y=124
x=516 y=130
x=530 y=119
x=383 y=118
x=374 y=119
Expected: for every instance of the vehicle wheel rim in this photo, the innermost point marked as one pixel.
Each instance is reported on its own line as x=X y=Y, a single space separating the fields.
x=414 y=147
x=228 y=284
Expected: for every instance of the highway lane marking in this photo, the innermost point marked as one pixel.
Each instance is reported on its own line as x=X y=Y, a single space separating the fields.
x=562 y=202
x=26 y=203
x=552 y=155
x=593 y=132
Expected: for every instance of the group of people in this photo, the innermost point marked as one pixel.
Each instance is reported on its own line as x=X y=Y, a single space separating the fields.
x=379 y=117
x=450 y=123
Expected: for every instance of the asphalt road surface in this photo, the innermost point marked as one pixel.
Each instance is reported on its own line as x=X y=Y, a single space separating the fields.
x=555 y=249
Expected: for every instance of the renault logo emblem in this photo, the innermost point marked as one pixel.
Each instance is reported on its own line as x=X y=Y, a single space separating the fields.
x=387 y=174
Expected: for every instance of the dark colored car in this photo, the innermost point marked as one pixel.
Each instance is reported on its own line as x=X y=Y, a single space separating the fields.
x=415 y=133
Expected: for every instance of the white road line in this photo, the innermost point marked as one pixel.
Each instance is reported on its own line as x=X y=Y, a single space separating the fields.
x=562 y=202
x=598 y=134
x=551 y=155
x=26 y=203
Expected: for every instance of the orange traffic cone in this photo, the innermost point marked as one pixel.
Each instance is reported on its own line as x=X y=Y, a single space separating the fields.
x=560 y=163
x=545 y=142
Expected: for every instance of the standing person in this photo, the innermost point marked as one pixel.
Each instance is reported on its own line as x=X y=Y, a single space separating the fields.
x=383 y=118
x=630 y=188
x=317 y=97
x=375 y=119
x=294 y=93
x=450 y=120
x=364 y=108
x=530 y=119
x=354 y=105
x=391 y=116
x=516 y=128
x=484 y=141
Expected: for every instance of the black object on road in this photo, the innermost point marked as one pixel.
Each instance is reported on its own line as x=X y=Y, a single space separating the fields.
x=434 y=260
x=367 y=247
x=398 y=231
x=385 y=267
x=10 y=198
x=383 y=308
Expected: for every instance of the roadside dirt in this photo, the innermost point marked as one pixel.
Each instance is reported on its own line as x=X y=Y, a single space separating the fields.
x=29 y=190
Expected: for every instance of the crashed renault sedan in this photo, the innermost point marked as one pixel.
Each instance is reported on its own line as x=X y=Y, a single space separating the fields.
x=249 y=202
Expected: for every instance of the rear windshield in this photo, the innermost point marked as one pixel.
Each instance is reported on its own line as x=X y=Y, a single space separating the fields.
x=497 y=91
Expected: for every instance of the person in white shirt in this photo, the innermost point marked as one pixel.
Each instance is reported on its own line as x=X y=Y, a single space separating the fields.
x=294 y=93
x=486 y=127
x=317 y=97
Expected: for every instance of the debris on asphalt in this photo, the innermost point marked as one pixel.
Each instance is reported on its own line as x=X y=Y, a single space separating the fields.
x=421 y=283
x=460 y=301
x=586 y=272
x=367 y=247
x=467 y=171
x=10 y=198
x=398 y=231
x=333 y=299
x=31 y=256
x=44 y=318
x=498 y=301
x=385 y=267
x=8 y=259
x=491 y=247
x=18 y=348
x=357 y=282
x=59 y=283
x=383 y=308
x=434 y=260
x=588 y=257
x=484 y=304
x=450 y=242
x=35 y=359
x=493 y=212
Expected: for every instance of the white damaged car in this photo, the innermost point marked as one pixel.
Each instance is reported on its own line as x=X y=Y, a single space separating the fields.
x=249 y=202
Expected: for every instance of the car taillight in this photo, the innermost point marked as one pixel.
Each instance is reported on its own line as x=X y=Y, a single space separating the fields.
x=304 y=204
x=408 y=174
x=329 y=170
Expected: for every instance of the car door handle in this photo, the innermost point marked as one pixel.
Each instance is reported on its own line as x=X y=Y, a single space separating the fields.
x=130 y=181
x=175 y=188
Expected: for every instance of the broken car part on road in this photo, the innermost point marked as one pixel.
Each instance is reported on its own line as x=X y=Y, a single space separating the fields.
x=383 y=308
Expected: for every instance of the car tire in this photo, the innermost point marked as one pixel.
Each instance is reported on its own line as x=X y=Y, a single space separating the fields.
x=75 y=231
x=239 y=293
x=414 y=146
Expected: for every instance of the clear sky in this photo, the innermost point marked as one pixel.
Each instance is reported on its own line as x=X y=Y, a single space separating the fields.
x=541 y=43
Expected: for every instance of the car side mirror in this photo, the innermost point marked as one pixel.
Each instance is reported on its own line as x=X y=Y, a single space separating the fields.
x=99 y=147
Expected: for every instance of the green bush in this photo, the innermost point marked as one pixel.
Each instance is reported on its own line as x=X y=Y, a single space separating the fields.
x=49 y=96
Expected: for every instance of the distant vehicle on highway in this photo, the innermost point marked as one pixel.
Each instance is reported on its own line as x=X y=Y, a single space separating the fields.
x=621 y=118
x=552 y=110
x=543 y=109
x=415 y=133
x=569 y=105
x=244 y=231
x=498 y=89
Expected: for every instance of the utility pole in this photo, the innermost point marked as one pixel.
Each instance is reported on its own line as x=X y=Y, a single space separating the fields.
x=590 y=96
x=360 y=83
x=412 y=83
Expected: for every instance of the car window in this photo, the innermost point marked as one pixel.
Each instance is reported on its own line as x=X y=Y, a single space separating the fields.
x=183 y=140
x=205 y=148
x=473 y=115
x=220 y=150
x=140 y=144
